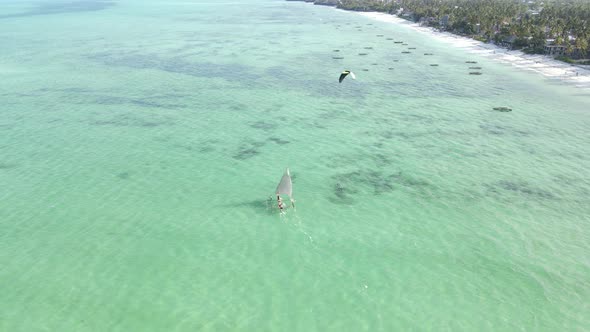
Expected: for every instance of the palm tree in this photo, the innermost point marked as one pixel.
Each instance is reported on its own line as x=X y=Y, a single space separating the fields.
x=582 y=45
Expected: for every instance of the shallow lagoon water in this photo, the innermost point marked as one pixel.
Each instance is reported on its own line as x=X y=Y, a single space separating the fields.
x=139 y=141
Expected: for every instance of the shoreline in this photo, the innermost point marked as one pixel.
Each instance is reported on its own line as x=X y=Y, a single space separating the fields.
x=541 y=64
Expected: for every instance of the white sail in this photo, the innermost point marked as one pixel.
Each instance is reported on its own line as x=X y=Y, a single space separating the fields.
x=285 y=187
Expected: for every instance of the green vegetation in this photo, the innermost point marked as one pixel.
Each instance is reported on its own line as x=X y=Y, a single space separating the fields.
x=517 y=24
x=565 y=59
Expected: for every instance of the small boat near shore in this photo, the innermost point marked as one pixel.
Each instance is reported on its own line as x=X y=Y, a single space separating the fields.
x=502 y=109
x=470 y=61
x=474 y=67
x=475 y=73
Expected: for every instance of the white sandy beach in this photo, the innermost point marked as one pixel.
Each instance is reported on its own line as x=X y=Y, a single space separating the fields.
x=545 y=65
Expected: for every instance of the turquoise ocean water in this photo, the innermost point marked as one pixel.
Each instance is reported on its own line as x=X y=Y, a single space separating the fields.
x=140 y=140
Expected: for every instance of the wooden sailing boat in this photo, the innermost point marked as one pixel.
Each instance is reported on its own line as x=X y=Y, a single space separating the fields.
x=285 y=187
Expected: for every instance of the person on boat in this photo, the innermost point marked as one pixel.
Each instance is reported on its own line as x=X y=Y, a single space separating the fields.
x=280 y=201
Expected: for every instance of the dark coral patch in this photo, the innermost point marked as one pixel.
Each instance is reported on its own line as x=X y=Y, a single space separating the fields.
x=246 y=153
x=123 y=175
x=279 y=141
x=7 y=165
x=60 y=7
x=264 y=125
x=520 y=187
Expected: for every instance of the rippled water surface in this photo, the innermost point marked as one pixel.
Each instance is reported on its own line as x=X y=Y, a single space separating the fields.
x=140 y=140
